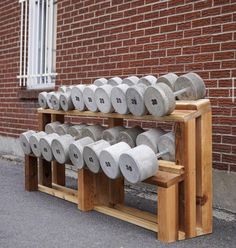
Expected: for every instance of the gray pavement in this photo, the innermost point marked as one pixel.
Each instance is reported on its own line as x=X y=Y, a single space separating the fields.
x=38 y=220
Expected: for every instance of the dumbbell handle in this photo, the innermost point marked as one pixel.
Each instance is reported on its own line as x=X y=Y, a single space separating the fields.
x=179 y=92
x=162 y=153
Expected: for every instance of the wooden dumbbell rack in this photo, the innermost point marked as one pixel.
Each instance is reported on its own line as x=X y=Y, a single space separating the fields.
x=184 y=208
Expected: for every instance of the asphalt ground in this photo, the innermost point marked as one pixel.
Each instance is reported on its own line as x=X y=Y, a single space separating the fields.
x=34 y=219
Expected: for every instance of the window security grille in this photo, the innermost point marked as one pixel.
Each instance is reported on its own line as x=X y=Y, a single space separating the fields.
x=38 y=44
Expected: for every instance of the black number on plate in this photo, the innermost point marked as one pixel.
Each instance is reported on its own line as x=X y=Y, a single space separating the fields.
x=58 y=151
x=108 y=164
x=128 y=167
x=77 y=98
x=101 y=100
x=134 y=101
x=118 y=100
x=76 y=155
x=91 y=159
x=154 y=101
x=90 y=99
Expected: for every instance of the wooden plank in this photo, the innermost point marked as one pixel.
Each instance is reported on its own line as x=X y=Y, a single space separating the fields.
x=65 y=189
x=168 y=214
x=127 y=217
x=186 y=156
x=58 y=170
x=176 y=116
x=192 y=105
x=136 y=212
x=86 y=190
x=171 y=167
x=46 y=172
x=43 y=119
x=31 y=173
x=58 y=194
x=204 y=172
x=164 y=179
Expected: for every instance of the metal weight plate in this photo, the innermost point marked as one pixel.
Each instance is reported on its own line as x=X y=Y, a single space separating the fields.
x=167 y=142
x=76 y=130
x=135 y=99
x=60 y=148
x=118 y=99
x=111 y=135
x=91 y=154
x=24 y=141
x=45 y=146
x=132 y=80
x=76 y=151
x=89 y=99
x=93 y=131
x=194 y=82
x=103 y=98
x=138 y=164
x=114 y=81
x=62 y=128
x=34 y=142
x=148 y=80
x=169 y=79
x=109 y=159
x=51 y=127
x=49 y=99
x=42 y=100
x=159 y=100
x=55 y=98
x=77 y=97
x=100 y=81
x=66 y=101
x=150 y=138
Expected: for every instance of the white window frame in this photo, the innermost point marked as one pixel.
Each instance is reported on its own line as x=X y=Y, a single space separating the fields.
x=38 y=44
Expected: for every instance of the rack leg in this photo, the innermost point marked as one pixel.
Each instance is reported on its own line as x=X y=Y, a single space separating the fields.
x=46 y=172
x=204 y=172
x=58 y=170
x=168 y=214
x=186 y=156
x=31 y=173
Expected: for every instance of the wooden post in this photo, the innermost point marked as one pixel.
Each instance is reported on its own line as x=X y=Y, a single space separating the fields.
x=46 y=170
x=86 y=190
x=186 y=156
x=204 y=172
x=168 y=213
x=31 y=173
x=43 y=119
x=58 y=170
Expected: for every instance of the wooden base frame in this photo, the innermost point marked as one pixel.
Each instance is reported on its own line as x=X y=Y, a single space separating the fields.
x=184 y=208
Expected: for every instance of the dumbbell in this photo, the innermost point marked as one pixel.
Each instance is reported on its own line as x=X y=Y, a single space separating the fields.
x=24 y=141
x=62 y=128
x=169 y=79
x=129 y=135
x=49 y=99
x=100 y=81
x=135 y=99
x=132 y=80
x=114 y=81
x=140 y=163
x=150 y=138
x=92 y=151
x=34 y=142
x=60 y=148
x=77 y=97
x=89 y=134
x=42 y=100
x=160 y=99
x=148 y=80
x=89 y=98
x=55 y=99
x=51 y=127
x=118 y=99
x=76 y=130
x=66 y=101
x=45 y=146
x=102 y=97
x=93 y=131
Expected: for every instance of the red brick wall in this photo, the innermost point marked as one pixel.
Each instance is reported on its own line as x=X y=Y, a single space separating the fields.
x=123 y=37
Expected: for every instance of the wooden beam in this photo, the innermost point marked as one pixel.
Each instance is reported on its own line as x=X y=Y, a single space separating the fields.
x=168 y=214
x=186 y=156
x=127 y=217
x=46 y=172
x=165 y=179
x=204 y=172
x=31 y=173
x=171 y=167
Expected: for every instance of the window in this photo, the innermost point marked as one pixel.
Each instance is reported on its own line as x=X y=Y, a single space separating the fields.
x=38 y=44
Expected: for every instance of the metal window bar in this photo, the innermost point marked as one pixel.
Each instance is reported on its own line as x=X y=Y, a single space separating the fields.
x=38 y=37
